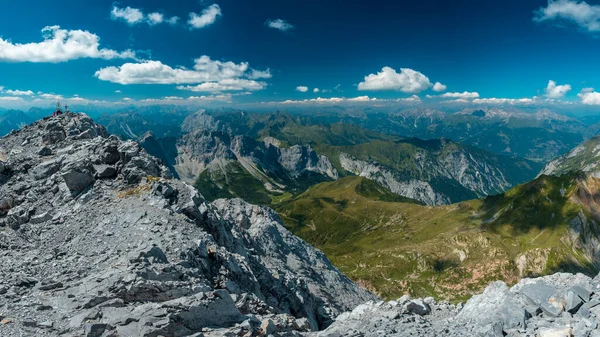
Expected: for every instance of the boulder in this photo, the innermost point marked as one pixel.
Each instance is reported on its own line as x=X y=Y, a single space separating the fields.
x=418 y=307
x=545 y=296
x=78 y=181
x=105 y=171
x=45 y=151
x=46 y=169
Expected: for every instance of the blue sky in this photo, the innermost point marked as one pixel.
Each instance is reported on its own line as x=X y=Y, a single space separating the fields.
x=234 y=51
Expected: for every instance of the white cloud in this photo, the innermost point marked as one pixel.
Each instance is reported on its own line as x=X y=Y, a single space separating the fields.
x=155 y=18
x=228 y=84
x=258 y=74
x=173 y=20
x=316 y=90
x=279 y=24
x=330 y=100
x=52 y=97
x=361 y=99
x=11 y=98
x=554 y=91
x=408 y=80
x=589 y=97
x=19 y=92
x=461 y=95
x=577 y=12
x=206 y=76
x=118 y=91
x=59 y=45
x=494 y=100
x=221 y=97
x=301 y=88
x=207 y=17
x=438 y=87
x=132 y=16
x=413 y=98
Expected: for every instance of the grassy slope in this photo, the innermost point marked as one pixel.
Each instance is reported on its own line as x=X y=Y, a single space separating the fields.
x=451 y=251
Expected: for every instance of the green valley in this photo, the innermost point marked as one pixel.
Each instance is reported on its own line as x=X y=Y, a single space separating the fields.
x=395 y=247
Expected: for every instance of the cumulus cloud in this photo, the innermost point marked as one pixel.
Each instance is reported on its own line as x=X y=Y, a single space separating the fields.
x=229 y=84
x=301 y=88
x=155 y=18
x=134 y=16
x=207 y=17
x=589 y=97
x=554 y=91
x=580 y=13
x=438 y=87
x=461 y=95
x=206 y=76
x=407 y=80
x=59 y=45
x=316 y=90
x=19 y=92
x=279 y=24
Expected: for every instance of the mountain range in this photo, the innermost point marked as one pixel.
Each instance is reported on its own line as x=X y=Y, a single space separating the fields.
x=266 y=157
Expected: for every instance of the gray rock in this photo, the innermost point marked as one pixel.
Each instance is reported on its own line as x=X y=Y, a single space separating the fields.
x=78 y=181
x=582 y=292
x=418 y=307
x=267 y=327
x=36 y=219
x=545 y=297
x=44 y=151
x=105 y=171
x=555 y=332
x=573 y=302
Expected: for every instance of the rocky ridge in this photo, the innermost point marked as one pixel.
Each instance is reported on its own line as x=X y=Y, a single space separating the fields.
x=99 y=241
x=559 y=305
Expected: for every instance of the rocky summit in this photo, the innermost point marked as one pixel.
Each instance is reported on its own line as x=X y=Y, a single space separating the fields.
x=96 y=239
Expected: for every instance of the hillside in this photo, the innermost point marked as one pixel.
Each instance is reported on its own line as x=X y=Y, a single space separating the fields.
x=584 y=157
x=279 y=155
x=454 y=251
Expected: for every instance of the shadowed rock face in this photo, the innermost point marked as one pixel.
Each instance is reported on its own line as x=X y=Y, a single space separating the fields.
x=98 y=240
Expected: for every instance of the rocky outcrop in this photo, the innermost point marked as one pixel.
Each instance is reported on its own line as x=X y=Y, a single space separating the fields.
x=556 y=305
x=203 y=150
x=453 y=176
x=99 y=241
